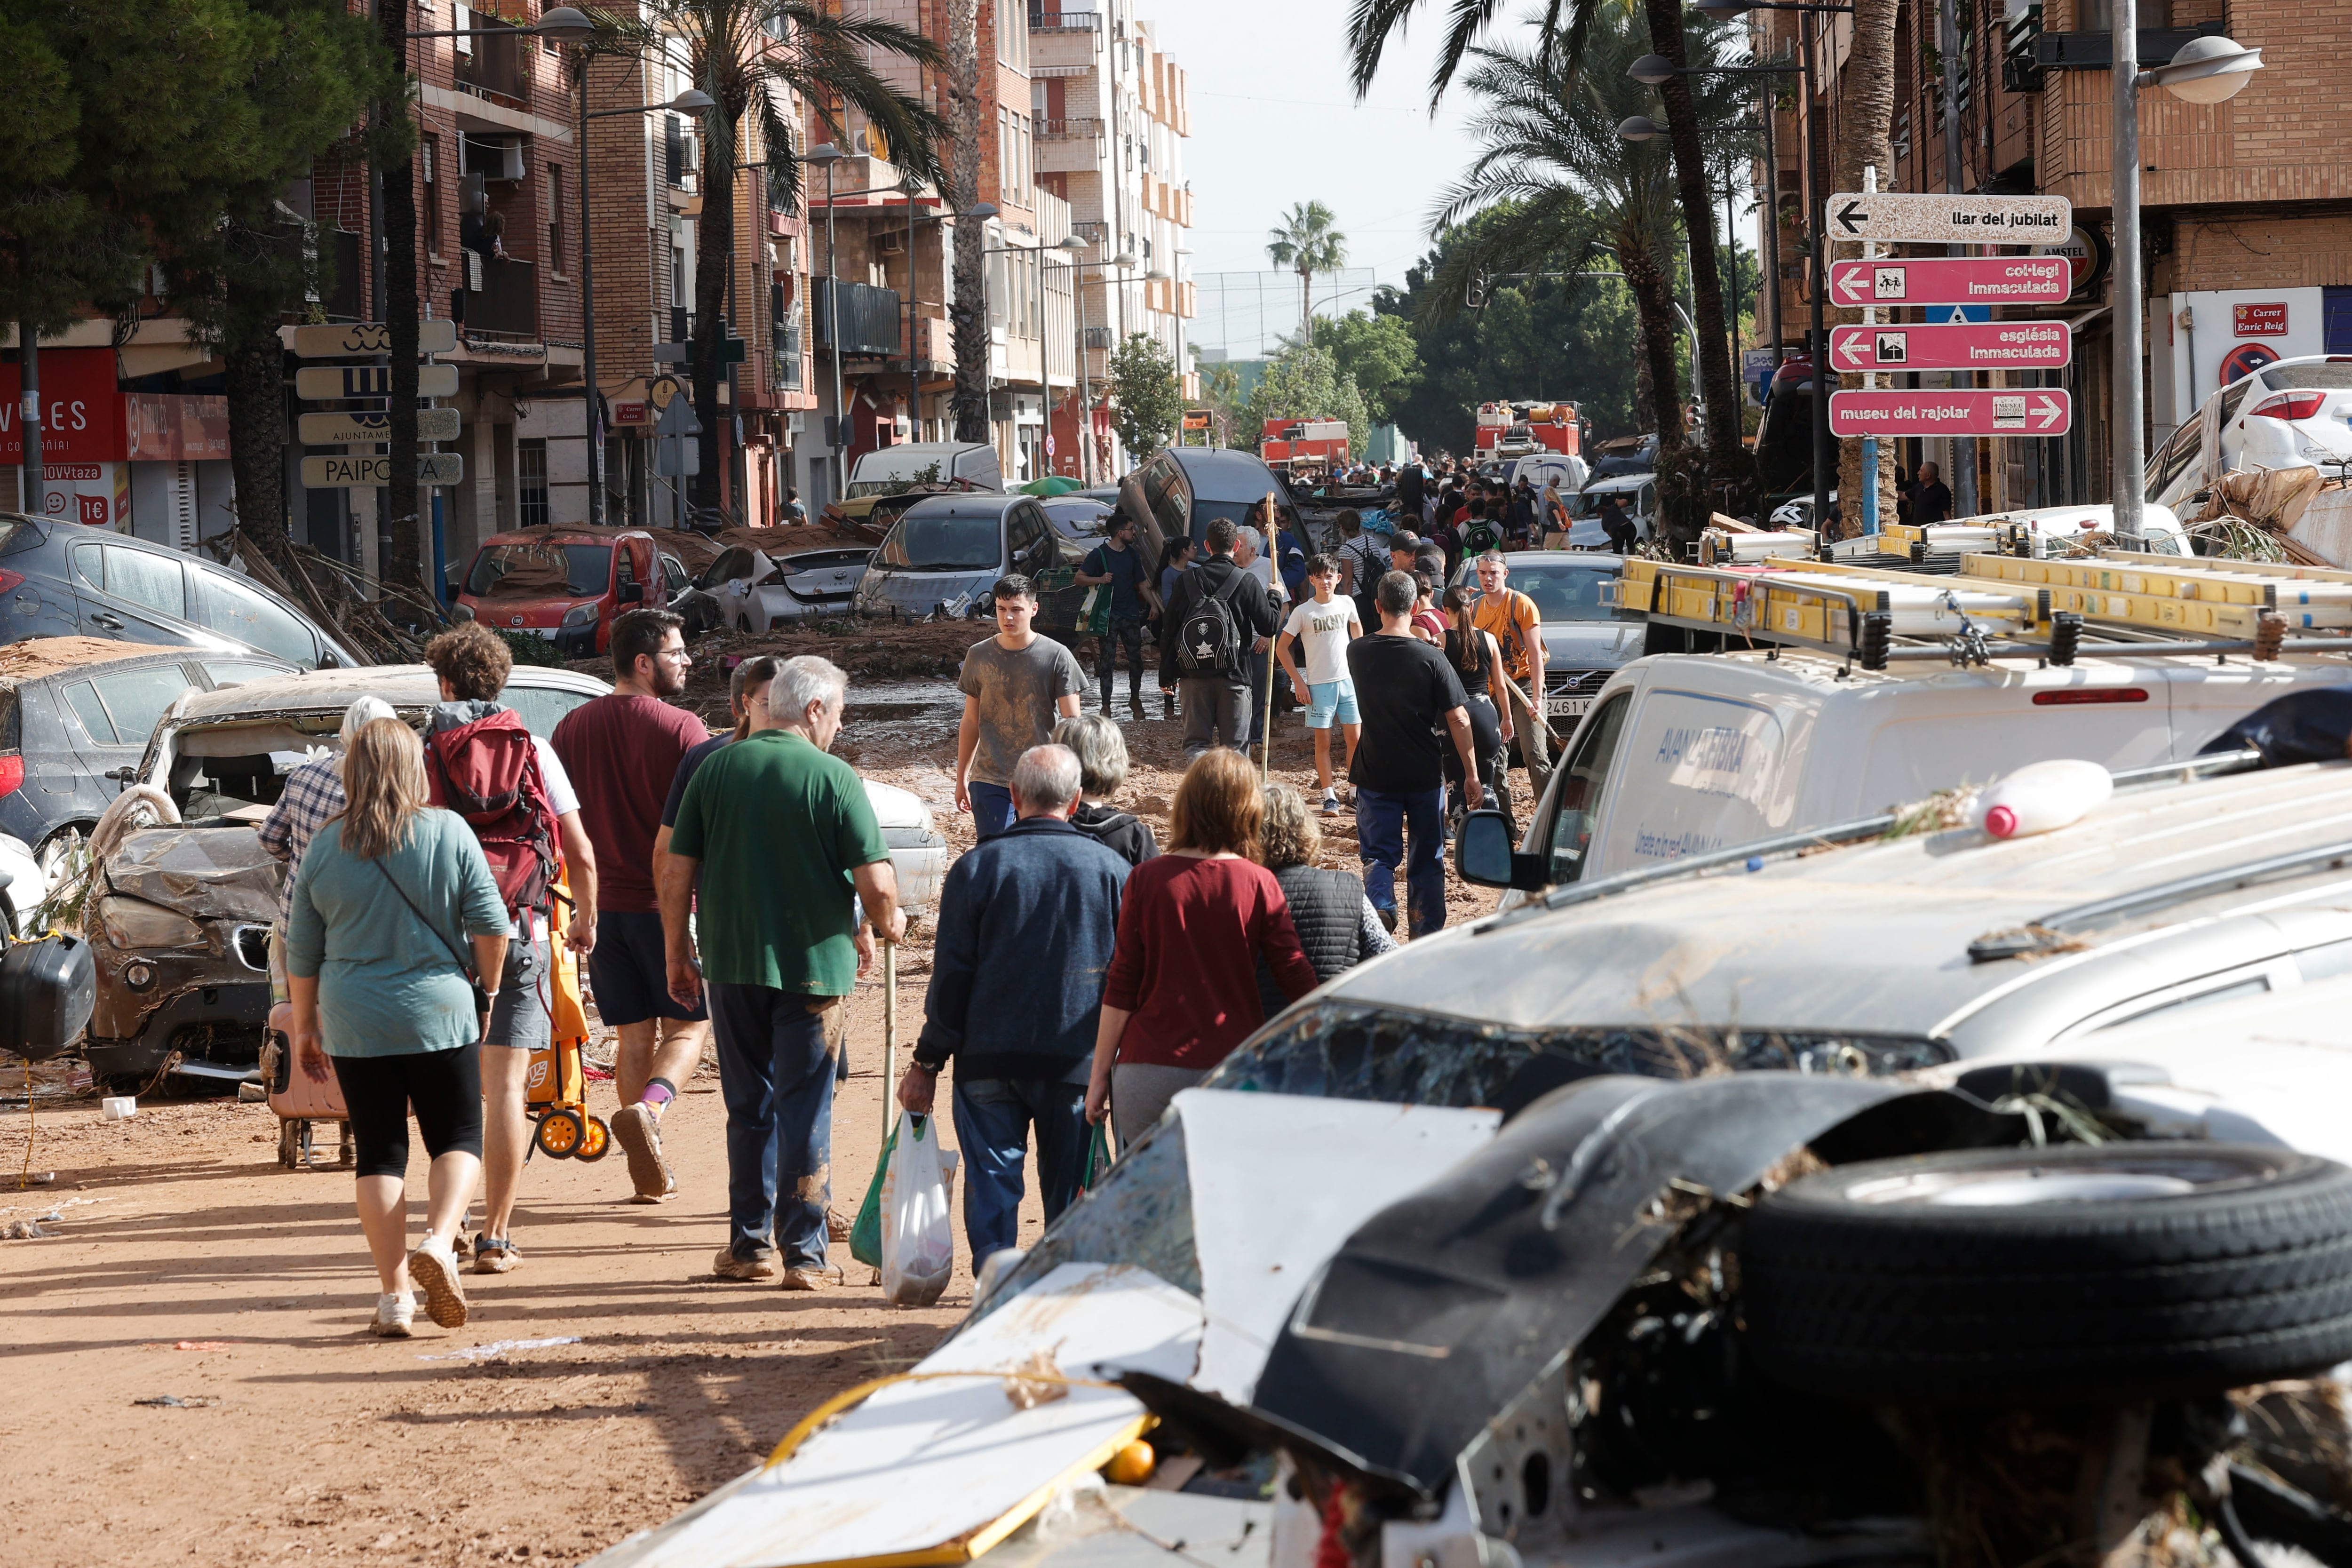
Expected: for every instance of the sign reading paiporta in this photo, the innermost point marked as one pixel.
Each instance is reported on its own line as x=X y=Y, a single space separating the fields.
x=2036 y=411
x=374 y=473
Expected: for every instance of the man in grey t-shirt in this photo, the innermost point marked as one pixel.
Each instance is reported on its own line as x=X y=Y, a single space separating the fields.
x=1014 y=686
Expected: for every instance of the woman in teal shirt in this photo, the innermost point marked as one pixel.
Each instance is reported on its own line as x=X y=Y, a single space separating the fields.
x=376 y=953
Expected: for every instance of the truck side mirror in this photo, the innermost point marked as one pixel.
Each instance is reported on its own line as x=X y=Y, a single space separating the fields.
x=1482 y=855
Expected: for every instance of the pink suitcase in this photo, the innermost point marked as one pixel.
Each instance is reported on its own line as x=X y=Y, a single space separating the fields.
x=299 y=1104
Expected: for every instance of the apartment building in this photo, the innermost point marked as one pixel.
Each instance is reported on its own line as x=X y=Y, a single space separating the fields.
x=2246 y=206
x=1112 y=111
x=648 y=184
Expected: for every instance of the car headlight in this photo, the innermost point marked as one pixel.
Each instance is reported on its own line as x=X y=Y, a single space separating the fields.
x=579 y=615
x=461 y=612
x=134 y=922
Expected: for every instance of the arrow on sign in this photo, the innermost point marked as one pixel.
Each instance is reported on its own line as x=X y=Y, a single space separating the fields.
x=2047 y=411
x=1851 y=218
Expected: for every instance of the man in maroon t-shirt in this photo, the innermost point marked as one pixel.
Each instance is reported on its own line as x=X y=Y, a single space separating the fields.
x=621 y=751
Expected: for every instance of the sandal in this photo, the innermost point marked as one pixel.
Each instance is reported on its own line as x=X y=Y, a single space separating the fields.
x=495 y=1254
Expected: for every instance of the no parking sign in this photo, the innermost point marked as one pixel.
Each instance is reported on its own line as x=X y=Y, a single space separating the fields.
x=2246 y=358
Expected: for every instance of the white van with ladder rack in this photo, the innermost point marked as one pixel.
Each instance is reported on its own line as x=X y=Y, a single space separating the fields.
x=1961 y=653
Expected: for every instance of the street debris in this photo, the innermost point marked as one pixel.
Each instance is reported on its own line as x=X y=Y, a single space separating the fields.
x=29 y=1229
x=497 y=1348
x=179 y=1402
x=1036 y=1381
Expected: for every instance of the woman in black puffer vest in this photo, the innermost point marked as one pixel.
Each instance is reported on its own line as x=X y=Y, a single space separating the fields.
x=1336 y=927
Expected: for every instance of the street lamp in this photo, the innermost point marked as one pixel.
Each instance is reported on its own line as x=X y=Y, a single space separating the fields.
x=2206 y=70
x=1640 y=128
x=828 y=154
x=692 y=100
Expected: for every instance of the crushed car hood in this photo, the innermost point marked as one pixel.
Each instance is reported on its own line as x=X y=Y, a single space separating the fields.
x=913 y=596
x=205 y=873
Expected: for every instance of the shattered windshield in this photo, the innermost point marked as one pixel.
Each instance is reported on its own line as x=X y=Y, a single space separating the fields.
x=1140 y=1213
x=948 y=540
x=1350 y=1051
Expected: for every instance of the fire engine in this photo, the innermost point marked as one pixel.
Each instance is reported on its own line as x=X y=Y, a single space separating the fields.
x=1291 y=445
x=1517 y=429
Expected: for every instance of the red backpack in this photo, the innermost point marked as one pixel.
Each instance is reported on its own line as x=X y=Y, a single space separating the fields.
x=486 y=771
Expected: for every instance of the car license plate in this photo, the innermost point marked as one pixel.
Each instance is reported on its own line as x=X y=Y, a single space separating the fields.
x=1567 y=707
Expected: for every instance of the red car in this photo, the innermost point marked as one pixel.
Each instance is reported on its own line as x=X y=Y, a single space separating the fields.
x=567 y=585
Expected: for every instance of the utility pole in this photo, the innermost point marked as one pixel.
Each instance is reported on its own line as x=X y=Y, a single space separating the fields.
x=29 y=359
x=1947 y=43
x=2126 y=442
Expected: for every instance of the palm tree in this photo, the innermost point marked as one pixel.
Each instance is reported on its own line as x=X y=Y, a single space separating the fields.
x=1307 y=242
x=752 y=57
x=1550 y=150
x=1563 y=54
x=1865 y=111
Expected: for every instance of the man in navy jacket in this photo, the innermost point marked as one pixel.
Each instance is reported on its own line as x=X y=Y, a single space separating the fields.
x=1027 y=924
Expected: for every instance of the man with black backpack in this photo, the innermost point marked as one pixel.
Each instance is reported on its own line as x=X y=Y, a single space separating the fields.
x=1219 y=616
x=483 y=764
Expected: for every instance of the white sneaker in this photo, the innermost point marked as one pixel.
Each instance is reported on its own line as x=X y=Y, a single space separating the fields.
x=435 y=1268
x=396 y=1313
x=1330 y=802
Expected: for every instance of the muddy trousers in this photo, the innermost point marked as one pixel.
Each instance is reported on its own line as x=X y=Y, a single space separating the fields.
x=776 y=1073
x=1217 y=712
x=1126 y=632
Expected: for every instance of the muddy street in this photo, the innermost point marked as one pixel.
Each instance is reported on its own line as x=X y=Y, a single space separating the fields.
x=191 y=1380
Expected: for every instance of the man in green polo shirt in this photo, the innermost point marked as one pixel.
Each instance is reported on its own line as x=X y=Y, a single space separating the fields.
x=780 y=833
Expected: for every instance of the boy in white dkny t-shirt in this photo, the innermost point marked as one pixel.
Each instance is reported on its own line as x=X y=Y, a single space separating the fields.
x=1323 y=626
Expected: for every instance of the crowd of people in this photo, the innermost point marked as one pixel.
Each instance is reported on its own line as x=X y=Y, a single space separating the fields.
x=723 y=892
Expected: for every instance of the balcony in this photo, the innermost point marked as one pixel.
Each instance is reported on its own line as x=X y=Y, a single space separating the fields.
x=505 y=309
x=497 y=68
x=1069 y=130
x=1042 y=20
x=870 y=317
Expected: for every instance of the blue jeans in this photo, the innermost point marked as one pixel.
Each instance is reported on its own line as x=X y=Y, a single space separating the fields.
x=776 y=1073
x=991 y=809
x=992 y=1117
x=1384 y=821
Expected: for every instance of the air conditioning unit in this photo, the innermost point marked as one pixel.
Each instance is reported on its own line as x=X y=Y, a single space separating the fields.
x=1098 y=337
x=494 y=158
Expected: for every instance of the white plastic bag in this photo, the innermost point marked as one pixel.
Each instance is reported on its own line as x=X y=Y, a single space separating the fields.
x=918 y=1239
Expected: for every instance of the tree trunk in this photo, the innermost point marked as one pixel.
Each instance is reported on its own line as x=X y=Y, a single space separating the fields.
x=256 y=384
x=1728 y=461
x=1680 y=468
x=968 y=405
x=714 y=244
x=1306 y=307
x=1866 y=114
x=405 y=570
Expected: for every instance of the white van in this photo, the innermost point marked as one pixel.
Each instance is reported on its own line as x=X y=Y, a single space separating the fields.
x=1544 y=467
x=1684 y=753
x=955 y=464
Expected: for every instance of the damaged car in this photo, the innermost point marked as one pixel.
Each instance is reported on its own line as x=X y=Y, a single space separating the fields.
x=181 y=904
x=1899 y=1197
x=750 y=591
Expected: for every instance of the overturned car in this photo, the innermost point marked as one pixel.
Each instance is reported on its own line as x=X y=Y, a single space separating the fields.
x=1912 y=1202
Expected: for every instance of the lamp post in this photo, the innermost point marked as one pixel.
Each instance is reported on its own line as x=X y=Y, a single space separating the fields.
x=2206 y=70
x=693 y=100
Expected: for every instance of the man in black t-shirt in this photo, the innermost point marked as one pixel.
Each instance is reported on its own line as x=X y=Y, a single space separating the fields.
x=1404 y=690
x=1930 y=497
x=1116 y=562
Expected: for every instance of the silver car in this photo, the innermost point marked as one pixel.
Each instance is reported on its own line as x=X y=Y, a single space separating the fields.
x=946 y=551
x=1585 y=641
x=751 y=591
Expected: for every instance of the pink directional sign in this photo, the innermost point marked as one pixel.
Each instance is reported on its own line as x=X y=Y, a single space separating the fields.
x=2036 y=411
x=1954 y=280
x=1970 y=345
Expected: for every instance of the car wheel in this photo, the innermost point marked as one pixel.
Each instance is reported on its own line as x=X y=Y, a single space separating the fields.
x=2052 y=1275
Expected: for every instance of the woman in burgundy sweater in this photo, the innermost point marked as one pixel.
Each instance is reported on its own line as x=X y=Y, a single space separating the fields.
x=1181 y=991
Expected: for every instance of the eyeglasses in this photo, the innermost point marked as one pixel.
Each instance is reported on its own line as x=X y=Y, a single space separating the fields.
x=678 y=653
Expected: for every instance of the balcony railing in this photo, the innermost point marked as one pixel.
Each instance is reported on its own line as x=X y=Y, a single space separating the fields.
x=1043 y=21
x=506 y=307
x=870 y=317
x=1068 y=130
x=499 y=68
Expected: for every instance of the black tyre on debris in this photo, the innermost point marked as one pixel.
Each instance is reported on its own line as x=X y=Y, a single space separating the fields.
x=2057 y=1276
